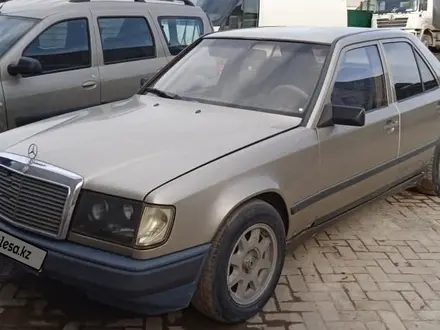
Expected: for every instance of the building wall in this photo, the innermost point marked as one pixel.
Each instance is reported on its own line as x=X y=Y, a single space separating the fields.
x=353 y=4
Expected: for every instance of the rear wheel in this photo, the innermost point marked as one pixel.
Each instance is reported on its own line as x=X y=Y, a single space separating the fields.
x=430 y=184
x=244 y=264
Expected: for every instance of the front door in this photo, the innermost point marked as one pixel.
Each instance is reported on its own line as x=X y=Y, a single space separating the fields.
x=356 y=162
x=70 y=78
x=130 y=49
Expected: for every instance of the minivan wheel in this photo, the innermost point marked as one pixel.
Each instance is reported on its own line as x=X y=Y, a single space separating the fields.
x=244 y=264
x=430 y=184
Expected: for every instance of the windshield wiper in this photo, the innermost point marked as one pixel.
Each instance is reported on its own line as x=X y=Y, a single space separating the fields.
x=161 y=93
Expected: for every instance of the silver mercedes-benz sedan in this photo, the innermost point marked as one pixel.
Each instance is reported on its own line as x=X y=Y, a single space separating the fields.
x=250 y=139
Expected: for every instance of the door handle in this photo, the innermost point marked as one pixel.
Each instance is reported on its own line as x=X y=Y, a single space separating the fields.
x=89 y=84
x=391 y=125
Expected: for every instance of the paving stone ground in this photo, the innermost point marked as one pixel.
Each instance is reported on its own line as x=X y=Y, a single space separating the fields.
x=378 y=269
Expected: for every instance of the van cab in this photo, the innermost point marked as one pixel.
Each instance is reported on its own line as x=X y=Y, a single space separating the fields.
x=58 y=56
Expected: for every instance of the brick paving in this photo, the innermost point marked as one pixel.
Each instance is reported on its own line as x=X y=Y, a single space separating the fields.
x=378 y=269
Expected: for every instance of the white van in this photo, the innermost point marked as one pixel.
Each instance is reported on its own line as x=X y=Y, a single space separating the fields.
x=233 y=14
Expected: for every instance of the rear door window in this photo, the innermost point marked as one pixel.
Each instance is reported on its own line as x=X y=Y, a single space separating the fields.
x=126 y=39
x=404 y=71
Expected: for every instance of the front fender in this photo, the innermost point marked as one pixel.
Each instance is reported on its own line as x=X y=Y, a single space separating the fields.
x=231 y=197
x=200 y=214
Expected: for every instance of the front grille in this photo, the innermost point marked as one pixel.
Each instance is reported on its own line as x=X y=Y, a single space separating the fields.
x=398 y=22
x=32 y=203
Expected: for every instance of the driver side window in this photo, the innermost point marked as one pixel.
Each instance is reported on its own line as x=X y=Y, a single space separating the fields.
x=360 y=80
x=63 y=46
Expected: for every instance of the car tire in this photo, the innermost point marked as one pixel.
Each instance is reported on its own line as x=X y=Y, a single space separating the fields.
x=430 y=184
x=233 y=254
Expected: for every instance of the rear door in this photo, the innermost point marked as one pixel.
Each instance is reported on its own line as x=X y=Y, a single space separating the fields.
x=63 y=43
x=130 y=49
x=416 y=93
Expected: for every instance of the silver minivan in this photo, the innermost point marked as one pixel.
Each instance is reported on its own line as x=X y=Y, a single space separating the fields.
x=57 y=56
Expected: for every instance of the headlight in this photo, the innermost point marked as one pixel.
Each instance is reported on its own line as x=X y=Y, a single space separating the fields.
x=122 y=221
x=155 y=225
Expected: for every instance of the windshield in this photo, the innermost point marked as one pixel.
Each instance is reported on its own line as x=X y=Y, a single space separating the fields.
x=12 y=28
x=394 y=6
x=217 y=10
x=256 y=75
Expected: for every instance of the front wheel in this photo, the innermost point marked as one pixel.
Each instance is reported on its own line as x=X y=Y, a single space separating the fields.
x=244 y=264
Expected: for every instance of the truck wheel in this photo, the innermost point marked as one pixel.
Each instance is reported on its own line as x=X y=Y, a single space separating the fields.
x=430 y=184
x=427 y=40
x=244 y=264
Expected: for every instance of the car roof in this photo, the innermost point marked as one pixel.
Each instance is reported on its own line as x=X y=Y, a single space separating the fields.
x=44 y=8
x=325 y=35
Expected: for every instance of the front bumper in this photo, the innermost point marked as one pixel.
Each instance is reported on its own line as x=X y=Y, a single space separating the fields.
x=153 y=286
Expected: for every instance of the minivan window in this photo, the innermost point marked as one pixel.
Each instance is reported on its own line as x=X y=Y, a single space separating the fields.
x=216 y=9
x=180 y=31
x=12 y=28
x=245 y=15
x=231 y=14
x=271 y=76
x=63 y=46
x=125 y=39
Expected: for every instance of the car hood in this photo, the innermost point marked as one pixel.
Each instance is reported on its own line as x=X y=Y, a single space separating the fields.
x=129 y=148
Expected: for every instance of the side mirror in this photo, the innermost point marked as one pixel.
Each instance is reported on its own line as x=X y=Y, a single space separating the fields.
x=25 y=66
x=348 y=115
